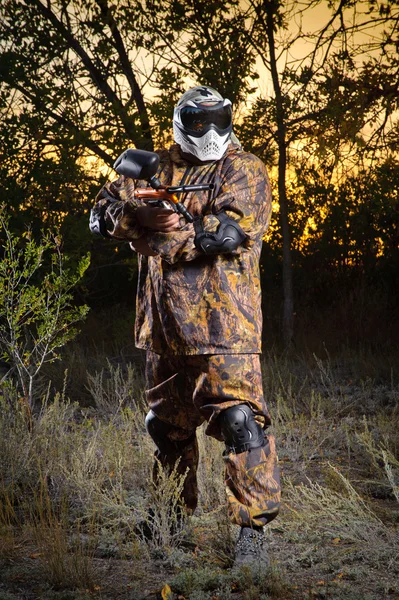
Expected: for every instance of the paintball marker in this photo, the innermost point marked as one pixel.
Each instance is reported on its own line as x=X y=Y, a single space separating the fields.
x=140 y=164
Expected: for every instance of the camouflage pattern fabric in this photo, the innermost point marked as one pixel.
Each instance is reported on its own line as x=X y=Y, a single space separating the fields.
x=185 y=391
x=186 y=463
x=199 y=318
x=188 y=303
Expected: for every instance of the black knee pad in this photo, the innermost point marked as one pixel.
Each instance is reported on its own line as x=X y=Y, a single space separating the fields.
x=240 y=430
x=159 y=431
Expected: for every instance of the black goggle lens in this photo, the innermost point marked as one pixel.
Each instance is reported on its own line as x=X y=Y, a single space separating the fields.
x=197 y=119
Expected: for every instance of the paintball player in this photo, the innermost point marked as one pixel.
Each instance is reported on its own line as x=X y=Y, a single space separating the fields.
x=199 y=309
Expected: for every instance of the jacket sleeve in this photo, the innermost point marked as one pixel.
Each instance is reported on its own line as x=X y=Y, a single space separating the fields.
x=244 y=194
x=116 y=204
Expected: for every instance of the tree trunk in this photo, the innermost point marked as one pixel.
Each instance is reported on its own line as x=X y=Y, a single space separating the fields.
x=288 y=309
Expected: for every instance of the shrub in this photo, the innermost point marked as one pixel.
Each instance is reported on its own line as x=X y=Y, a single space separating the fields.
x=37 y=311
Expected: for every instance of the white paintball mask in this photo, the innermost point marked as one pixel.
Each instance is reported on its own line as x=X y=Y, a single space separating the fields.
x=202 y=123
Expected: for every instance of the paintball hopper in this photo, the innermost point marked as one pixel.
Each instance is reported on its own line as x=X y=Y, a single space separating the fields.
x=137 y=164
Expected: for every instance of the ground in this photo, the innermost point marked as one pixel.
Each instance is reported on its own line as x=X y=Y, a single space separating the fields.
x=75 y=487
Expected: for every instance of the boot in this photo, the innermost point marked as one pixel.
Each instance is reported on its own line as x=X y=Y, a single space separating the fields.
x=251 y=547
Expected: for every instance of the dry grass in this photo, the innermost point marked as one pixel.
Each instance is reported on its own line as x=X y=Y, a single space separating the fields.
x=66 y=559
x=76 y=485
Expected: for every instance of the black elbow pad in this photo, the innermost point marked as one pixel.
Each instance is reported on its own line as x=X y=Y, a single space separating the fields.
x=98 y=224
x=227 y=238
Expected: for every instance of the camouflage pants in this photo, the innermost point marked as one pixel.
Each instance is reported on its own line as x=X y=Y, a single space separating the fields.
x=185 y=391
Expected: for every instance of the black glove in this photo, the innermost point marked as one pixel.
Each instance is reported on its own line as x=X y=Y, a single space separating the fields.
x=227 y=238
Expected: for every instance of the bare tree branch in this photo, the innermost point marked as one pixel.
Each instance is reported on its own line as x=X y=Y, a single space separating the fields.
x=98 y=79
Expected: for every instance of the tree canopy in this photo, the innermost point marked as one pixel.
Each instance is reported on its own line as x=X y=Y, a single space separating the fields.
x=314 y=87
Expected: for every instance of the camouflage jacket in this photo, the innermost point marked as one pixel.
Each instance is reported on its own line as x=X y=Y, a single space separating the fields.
x=188 y=302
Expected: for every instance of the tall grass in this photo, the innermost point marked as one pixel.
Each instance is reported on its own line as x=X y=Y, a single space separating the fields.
x=76 y=488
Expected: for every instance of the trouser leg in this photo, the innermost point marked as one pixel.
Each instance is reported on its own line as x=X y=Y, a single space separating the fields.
x=172 y=422
x=251 y=473
x=186 y=463
x=253 y=485
x=181 y=454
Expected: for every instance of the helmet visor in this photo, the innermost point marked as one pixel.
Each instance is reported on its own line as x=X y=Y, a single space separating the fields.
x=198 y=119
